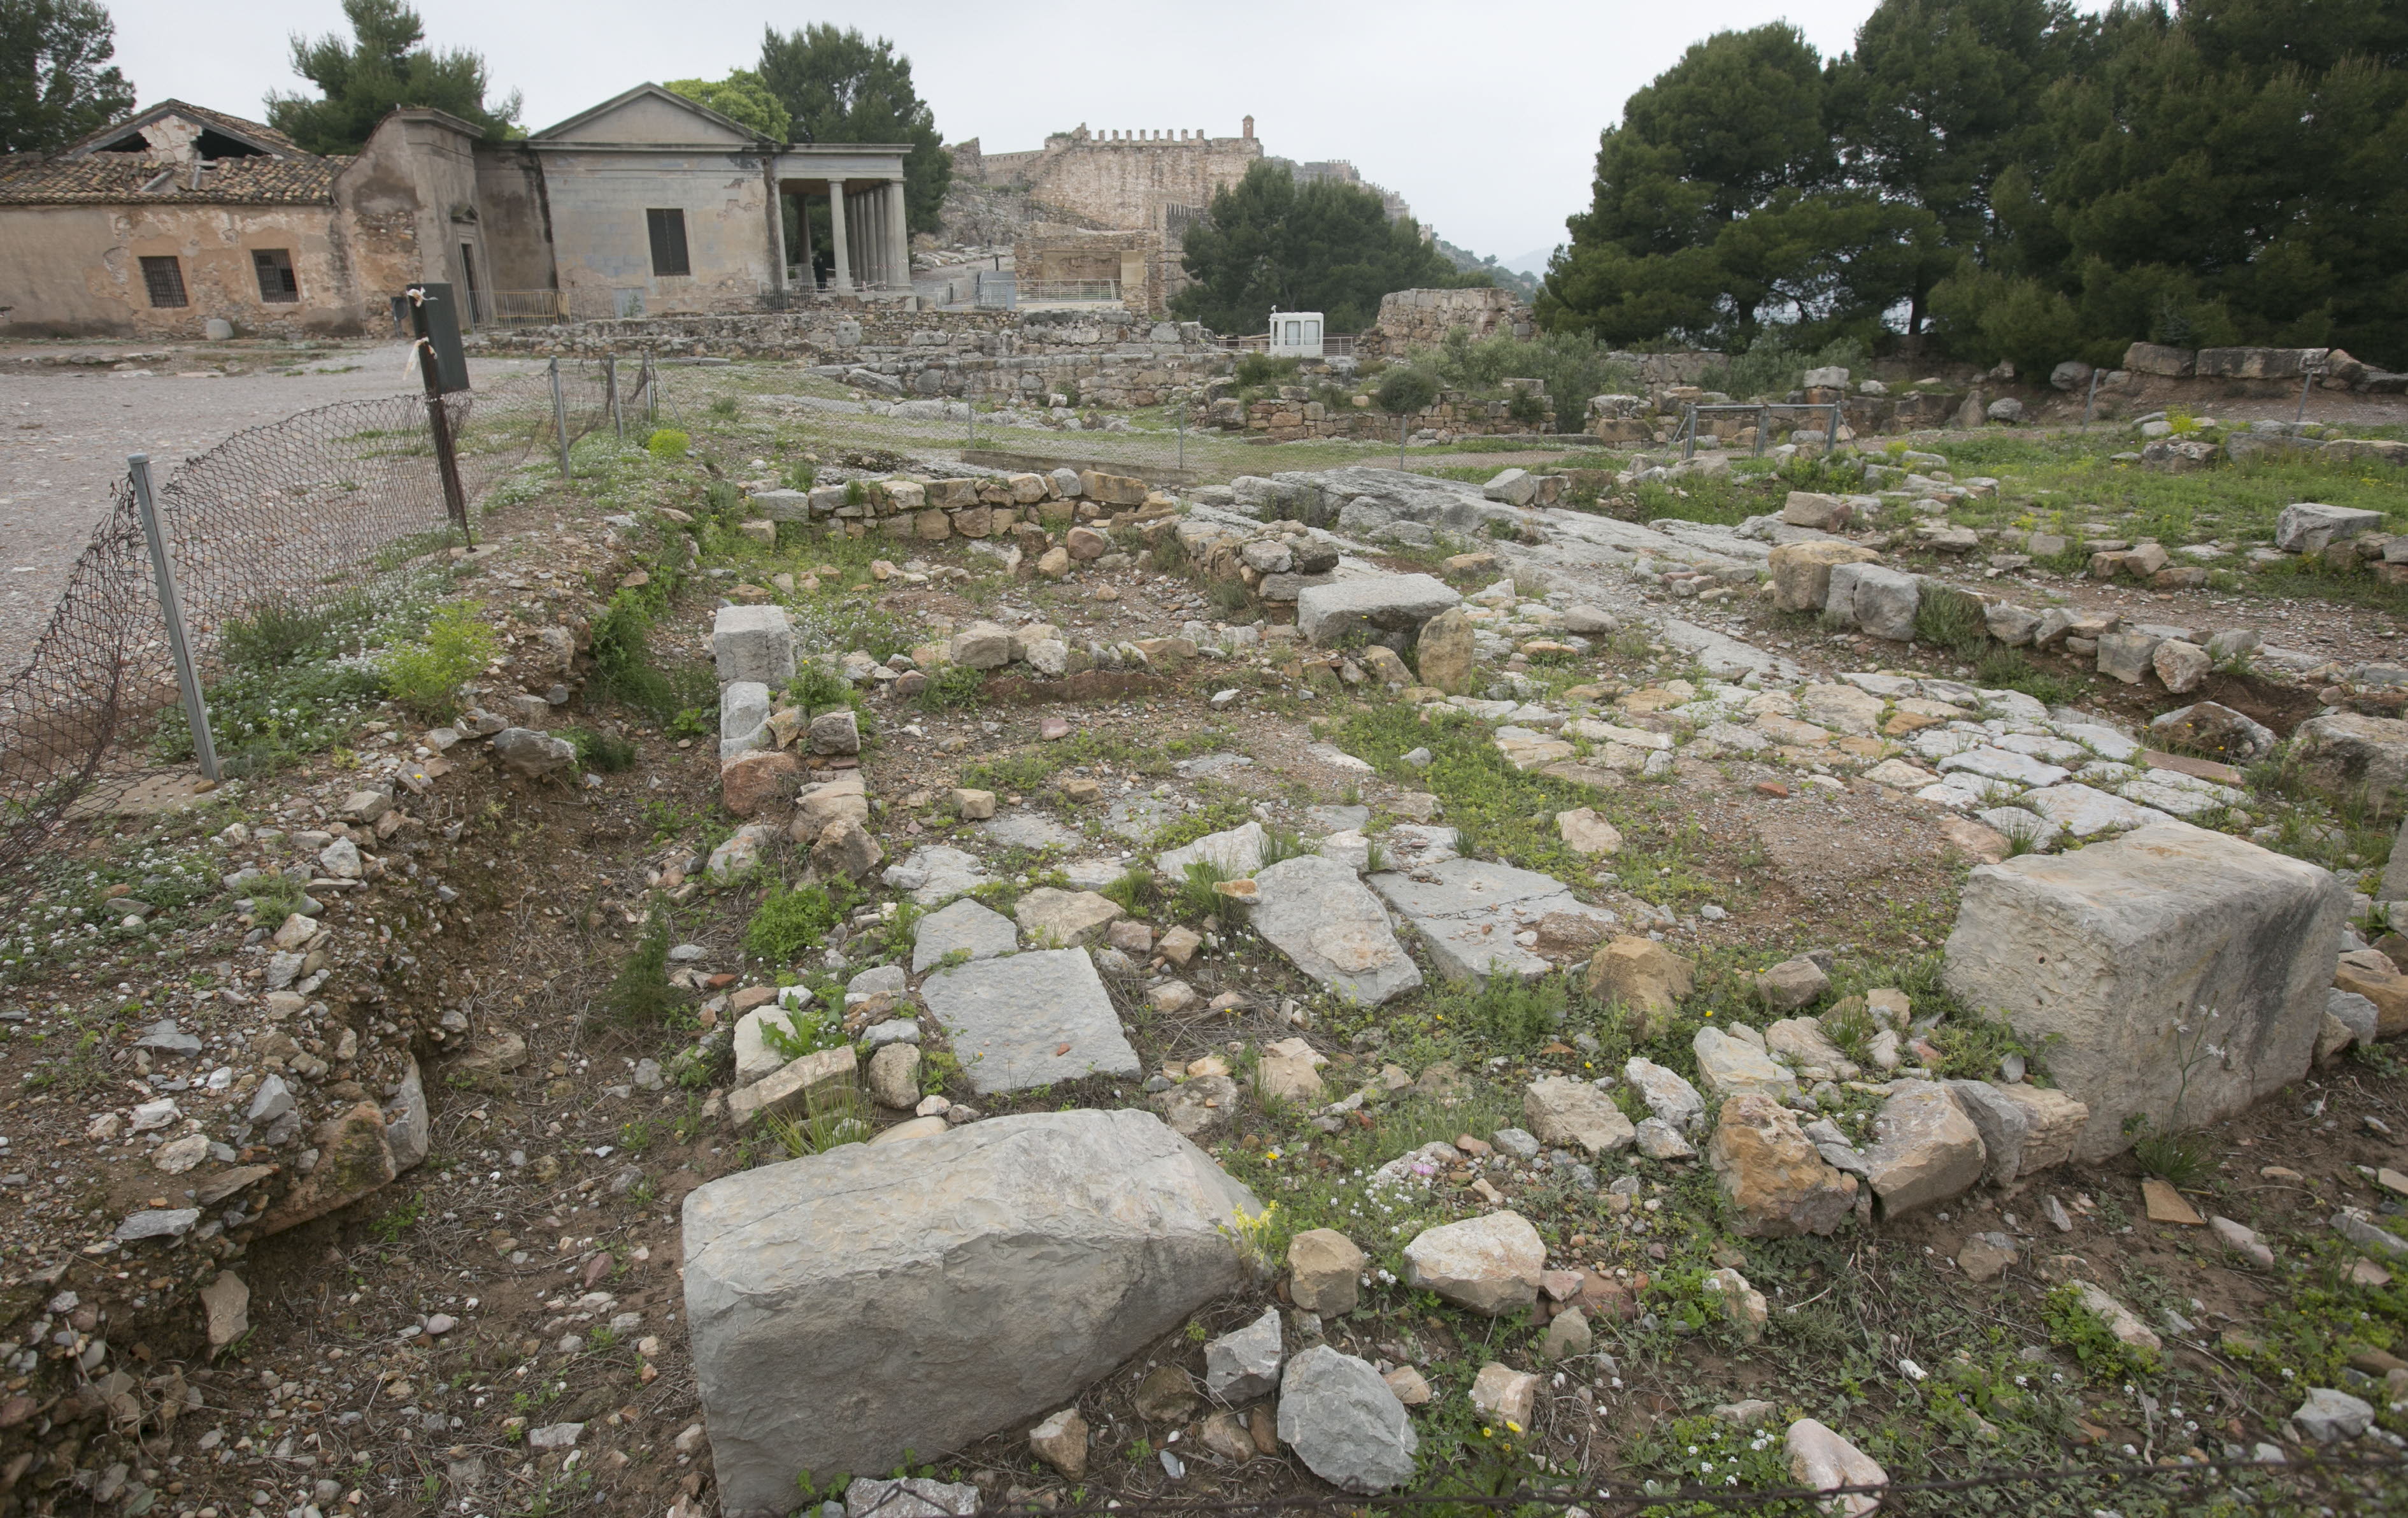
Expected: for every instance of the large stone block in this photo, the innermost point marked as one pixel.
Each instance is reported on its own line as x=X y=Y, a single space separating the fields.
x=2312 y=527
x=1445 y=652
x=1881 y=601
x=1386 y=607
x=1777 y=1183
x=2352 y=757
x=2174 y=973
x=924 y=1295
x=1925 y=1148
x=754 y=643
x=1801 y=572
x=2156 y=358
x=1112 y=490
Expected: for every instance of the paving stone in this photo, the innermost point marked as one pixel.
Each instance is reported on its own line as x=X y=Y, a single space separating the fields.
x=1345 y=1423
x=1238 y=850
x=1058 y=919
x=1029 y=1020
x=1394 y=605
x=1468 y=911
x=965 y=926
x=935 y=873
x=2086 y=811
x=1312 y=910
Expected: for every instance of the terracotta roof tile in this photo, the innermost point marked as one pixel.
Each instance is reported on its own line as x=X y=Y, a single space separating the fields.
x=117 y=179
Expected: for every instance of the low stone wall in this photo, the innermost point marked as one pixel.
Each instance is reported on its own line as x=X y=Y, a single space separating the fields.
x=1638 y=420
x=1013 y=508
x=1291 y=417
x=2333 y=368
x=1115 y=359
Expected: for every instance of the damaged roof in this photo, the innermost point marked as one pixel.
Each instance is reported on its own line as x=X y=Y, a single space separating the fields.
x=119 y=179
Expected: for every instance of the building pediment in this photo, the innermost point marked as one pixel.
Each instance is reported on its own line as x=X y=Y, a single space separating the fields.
x=647 y=116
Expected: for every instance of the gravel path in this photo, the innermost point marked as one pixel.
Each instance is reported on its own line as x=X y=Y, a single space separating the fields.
x=65 y=434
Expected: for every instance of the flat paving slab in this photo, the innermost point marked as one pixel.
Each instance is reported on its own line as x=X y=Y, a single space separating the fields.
x=1029 y=1020
x=1468 y=911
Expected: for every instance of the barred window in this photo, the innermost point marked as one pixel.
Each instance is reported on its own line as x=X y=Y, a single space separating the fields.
x=278 y=285
x=165 y=278
x=668 y=229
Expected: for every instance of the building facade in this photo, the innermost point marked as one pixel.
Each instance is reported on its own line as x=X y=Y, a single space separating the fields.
x=646 y=204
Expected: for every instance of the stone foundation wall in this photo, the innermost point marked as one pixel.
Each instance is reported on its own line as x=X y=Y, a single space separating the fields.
x=1008 y=508
x=1117 y=360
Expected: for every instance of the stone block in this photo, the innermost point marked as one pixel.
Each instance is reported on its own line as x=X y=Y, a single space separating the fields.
x=1445 y=651
x=754 y=643
x=1772 y=1173
x=1925 y=1149
x=1883 y=602
x=2159 y=359
x=2127 y=656
x=782 y=505
x=1110 y=490
x=906 y=1276
x=2167 y=948
x=2353 y=757
x=2312 y=527
x=1487 y=1264
x=1801 y=572
x=1809 y=509
x=1385 y=606
x=1573 y=1114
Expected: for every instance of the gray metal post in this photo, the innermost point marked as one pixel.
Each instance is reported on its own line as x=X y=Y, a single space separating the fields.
x=2091 y=402
x=652 y=392
x=560 y=419
x=171 y=605
x=1763 y=421
x=1402 y=423
x=2307 y=378
x=1689 y=430
x=611 y=383
x=1182 y=414
x=1831 y=438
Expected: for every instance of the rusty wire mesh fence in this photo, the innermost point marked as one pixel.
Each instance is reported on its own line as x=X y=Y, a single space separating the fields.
x=290 y=514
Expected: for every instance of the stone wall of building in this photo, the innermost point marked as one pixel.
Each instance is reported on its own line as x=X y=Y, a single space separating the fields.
x=1121 y=179
x=1411 y=319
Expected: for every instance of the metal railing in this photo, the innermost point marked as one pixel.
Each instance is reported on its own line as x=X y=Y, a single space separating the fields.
x=517 y=307
x=1098 y=291
x=1762 y=411
x=1333 y=345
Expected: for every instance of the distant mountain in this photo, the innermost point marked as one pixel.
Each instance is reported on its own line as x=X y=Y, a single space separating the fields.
x=1533 y=264
x=1506 y=275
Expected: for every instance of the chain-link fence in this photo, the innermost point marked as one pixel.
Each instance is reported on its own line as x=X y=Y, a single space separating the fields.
x=290 y=515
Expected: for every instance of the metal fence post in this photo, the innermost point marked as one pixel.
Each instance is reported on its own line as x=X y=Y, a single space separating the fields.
x=1763 y=421
x=1402 y=423
x=2307 y=378
x=2090 y=401
x=610 y=386
x=1182 y=414
x=1689 y=430
x=1831 y=438
x=652 y=392
x=171 y=607
x=560 y=418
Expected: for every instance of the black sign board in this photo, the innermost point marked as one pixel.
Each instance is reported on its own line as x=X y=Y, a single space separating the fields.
x=438 y=323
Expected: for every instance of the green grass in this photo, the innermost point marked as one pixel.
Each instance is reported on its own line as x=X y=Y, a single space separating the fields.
x=792 y=919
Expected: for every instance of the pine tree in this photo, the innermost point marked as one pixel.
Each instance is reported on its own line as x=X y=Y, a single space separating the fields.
x=53 y=88
x=385 y=65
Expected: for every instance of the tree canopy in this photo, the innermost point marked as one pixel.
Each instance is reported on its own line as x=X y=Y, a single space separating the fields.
x=2018 y=179
x=386 y=65
x=838 y=86
x=53 y=87
x=1272 y=244
x=742 y=98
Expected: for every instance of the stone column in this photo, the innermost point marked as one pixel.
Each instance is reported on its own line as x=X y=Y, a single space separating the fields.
x=873 y=243
x=842 y=281
x=899 y=234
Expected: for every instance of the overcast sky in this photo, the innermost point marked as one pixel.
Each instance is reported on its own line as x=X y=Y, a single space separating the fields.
x=1485 y=120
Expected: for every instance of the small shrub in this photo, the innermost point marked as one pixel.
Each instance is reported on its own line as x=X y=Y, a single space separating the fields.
x=724 y=408
x=1951 y=620
x=955 y=686
x=791 y=919
x=1196 y=898
x=833 y=1114
x=801 y=475
x=601 y=752
x=425 y=676
x=1405 y=390
x=1261 y=369
x=1135 y=891
x=1168 y=555
x=667 y=443
x=640 y=995
x=817 y=688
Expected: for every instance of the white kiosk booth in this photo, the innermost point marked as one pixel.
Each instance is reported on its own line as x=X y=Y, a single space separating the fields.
x=1296 y=334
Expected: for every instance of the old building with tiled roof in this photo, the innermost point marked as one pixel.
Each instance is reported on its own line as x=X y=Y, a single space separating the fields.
x=179 y=218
